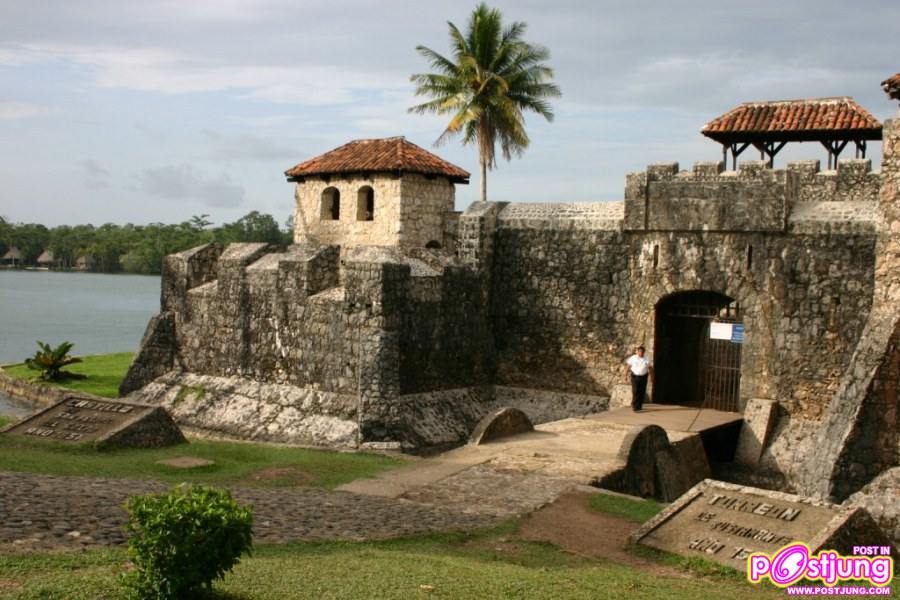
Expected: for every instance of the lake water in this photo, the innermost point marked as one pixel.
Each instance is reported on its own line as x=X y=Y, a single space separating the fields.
x=14 y=407
x=98 y=313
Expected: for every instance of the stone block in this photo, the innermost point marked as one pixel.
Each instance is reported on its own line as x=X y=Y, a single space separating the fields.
x=708 y=168
x=853 y=168
x=752 y=168
x=726 y=523
x=681 y=466
x=501 y=423
x=185 y=462
x=103 y=423
x=806 y=169
x=759 y=420
x=638 y=453
x=658 y=171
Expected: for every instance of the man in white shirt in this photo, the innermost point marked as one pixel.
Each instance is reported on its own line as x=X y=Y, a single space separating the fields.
x=637 y=369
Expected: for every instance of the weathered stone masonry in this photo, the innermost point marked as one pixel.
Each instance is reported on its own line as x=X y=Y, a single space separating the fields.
x=347 y=338
x=574 y=287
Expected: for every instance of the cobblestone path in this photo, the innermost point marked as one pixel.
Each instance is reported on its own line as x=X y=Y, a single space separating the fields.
x=486 y=490
x=44 y=511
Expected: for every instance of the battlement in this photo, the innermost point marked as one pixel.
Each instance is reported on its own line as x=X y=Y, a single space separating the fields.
x=754 y=198
x=853 y=181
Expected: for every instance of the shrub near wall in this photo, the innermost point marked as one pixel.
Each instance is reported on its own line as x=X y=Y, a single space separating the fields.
x=184 y=540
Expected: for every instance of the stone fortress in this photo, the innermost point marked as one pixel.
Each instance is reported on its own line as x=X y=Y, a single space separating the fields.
x=394 y=321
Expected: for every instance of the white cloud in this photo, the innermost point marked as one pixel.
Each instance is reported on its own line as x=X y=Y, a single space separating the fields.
x=12 y=111
x=95 y=175
x=245 y=147
x=151 y=69
x=182 y=182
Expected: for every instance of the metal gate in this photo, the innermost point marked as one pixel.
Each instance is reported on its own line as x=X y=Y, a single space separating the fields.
x=720 y=373
x=698 y=370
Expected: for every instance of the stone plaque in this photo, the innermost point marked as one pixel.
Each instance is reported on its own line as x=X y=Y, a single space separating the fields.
x=101 y=422
x=726 y=523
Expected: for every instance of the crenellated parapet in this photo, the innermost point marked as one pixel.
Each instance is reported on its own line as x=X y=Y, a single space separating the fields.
x=752 y=199
x=187 y=270
x=852 y=181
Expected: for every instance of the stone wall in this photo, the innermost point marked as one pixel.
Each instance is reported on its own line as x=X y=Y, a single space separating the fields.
x=445 y=336
x=859 y=435
x=40 y=394
x=426 y=202
x=410 y=210
x=753 y=198
x=536 y=306
x=155 y=356
x=852 y=181
x=568 y=304
x=252 y=410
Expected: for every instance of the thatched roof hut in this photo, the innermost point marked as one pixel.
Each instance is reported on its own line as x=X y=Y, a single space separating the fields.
x=46 y=259
x=12 y=257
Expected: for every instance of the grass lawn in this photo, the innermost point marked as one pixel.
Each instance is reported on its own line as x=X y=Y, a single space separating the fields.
x=486 y=564
x=104 y=374
x=625 y=508
x=4 y=421
x=234 y=462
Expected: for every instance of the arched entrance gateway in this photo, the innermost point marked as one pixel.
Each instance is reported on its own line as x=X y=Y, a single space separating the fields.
x=697 y=351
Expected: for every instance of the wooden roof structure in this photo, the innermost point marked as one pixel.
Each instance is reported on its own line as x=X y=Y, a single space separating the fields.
x=12 y=255
x=46 y=258
x=769 y=125
x=386 y=155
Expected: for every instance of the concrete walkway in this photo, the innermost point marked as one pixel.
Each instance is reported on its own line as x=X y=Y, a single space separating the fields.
x=673 y=418
x=521 y=473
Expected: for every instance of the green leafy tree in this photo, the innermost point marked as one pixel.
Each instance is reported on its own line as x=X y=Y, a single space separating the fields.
x=200 y=222
x=184 y=540
x=5 y=233
x=31 y=239
x=288 y=231
x=50 y=362
x=492 y=79
x=252 y=227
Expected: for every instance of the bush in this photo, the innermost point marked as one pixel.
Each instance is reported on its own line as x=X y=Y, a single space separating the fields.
x=183 y=540
x=50 y=361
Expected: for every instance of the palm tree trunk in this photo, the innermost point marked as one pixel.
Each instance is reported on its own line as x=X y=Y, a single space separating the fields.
x=484 y=181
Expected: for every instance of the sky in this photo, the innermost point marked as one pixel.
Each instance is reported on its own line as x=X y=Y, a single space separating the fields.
x=158 y=110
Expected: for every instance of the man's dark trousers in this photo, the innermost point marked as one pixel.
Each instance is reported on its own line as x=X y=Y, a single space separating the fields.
x=638 y=391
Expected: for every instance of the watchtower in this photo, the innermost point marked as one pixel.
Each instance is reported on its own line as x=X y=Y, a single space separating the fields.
x=376 y=192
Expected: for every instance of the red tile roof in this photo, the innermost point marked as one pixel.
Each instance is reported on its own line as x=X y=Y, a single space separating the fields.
x=891 y=86
x=794 y=120
x=388 y=154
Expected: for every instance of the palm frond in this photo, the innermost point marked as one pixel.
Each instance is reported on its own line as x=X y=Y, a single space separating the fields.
x=437 y=61
x=492 y=79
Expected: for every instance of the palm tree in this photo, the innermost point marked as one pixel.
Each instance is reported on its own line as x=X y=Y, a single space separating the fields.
x=494 y=76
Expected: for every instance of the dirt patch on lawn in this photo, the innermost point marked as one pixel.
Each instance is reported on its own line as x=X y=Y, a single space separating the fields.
x=569 y=524
x=282 y=476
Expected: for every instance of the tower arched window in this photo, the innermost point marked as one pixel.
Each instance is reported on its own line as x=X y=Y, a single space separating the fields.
x=365 y=204
x=331 y=204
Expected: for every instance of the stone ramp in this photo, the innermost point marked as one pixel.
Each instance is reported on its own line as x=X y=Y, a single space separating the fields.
x=673 y=418
x=520 y=473
x=575 y=448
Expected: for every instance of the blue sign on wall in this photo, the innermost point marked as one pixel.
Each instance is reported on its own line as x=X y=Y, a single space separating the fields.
x=737 y=334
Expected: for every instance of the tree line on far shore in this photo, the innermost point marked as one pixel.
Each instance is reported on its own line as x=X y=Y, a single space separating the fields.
x=129 y=248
